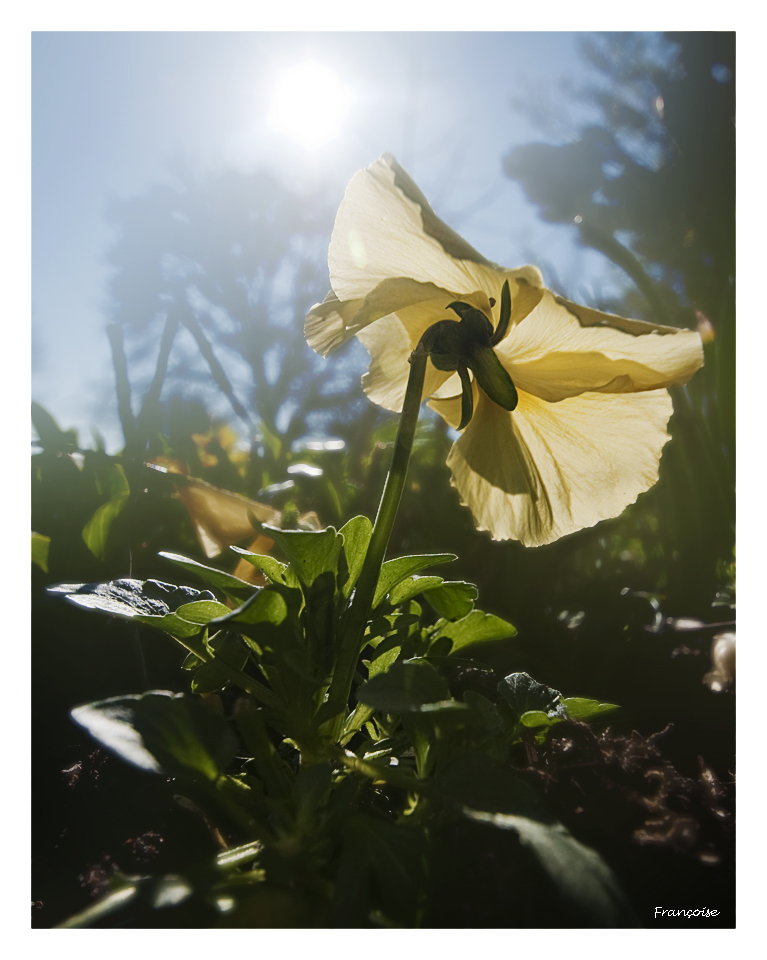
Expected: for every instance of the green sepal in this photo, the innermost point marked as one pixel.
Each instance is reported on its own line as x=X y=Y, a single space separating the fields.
x=493 y=377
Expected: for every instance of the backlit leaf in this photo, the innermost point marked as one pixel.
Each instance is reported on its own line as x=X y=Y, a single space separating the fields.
x=395 y=571
x=475 y=627
x=453 y=600
x=311 y=553
x=356 y=534
x=96 y=530
x=40 y=547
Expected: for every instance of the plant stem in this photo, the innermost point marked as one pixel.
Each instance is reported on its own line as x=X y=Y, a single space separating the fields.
x=358 y=613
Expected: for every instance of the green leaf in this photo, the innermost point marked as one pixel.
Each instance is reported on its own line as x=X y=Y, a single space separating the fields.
x=270 y=567
x=382 y=663
x=267 y=606
x=172 y=624
x=586 y=710
x=356 y=534
x=191 y=662
x=538 y=718
x=475 y=627
x=210 y=677
x=103 y=908
x=130 y=598
x=52 y=438
x=410 y=587
x=311 y=553
x=96 y=530
x=453 y=600
x=525 y=694
x=109 y=477
x=162 y=732
x=40 y=547
x=405 y=688
x=579 y=873
x=396 y=856
x=485 y=718
x=232 y=586
x=394 y=571
x=202 y=611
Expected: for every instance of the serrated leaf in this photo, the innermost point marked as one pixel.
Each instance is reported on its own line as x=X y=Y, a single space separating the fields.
x=216 y=578
x=524 y=695
x=270 y=567
x=96 y=530
x=404 y=688
x=579 y=873
x=162 y=732
x=311 y=553
x=475 y=627
x=40 y=547
x=410 y=587
x=588 y=710
x=394 y=571
x=356 y=534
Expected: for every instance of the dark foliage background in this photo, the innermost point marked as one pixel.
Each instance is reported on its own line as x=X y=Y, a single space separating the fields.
x=214 y=379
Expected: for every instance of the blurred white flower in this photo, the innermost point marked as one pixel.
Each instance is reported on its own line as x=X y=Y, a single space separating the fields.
x=574 y=430
x=721 y=676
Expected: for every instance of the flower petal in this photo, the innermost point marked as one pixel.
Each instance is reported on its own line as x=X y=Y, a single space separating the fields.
x=390 y=342
x=330 y=324
x=549 y=469
x=561 y=350
x=386 y=229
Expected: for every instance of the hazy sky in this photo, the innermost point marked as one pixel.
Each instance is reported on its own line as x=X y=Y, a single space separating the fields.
x=110 y=112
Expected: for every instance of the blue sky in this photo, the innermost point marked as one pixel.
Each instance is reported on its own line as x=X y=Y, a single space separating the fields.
x=111 y=111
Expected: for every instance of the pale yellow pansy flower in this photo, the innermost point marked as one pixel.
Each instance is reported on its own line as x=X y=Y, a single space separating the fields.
x=583 y=435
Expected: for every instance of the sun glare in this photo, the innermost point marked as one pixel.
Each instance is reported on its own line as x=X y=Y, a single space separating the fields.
x=309 y=104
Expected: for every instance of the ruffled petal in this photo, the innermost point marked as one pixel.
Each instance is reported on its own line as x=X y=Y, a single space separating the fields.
x=549 y=469
x=330 y=324
x=386 y=229
x=561 y=350
x=390 y=341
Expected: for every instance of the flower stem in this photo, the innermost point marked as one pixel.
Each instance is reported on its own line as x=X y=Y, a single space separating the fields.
x=359 y=610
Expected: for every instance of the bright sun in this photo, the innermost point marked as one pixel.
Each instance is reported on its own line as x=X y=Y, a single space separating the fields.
x=309 y=104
